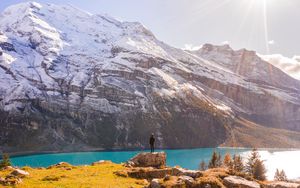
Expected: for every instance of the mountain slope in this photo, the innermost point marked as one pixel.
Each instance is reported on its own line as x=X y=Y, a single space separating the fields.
x=71 y=80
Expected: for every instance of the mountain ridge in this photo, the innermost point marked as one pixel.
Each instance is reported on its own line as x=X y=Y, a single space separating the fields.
x=72 y=80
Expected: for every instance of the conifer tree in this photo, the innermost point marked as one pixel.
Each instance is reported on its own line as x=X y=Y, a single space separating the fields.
x=283 y=176
x=280 y=175
x=255 y=166
x=5 y=161
x=277 y=175
x=259 y=170
x=202 y=165
x=238 y=165
x=249 y=167
x=215 y=160
x=219 y=160
x=227 y=162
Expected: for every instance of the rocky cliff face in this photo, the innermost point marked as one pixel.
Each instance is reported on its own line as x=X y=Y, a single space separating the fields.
x=73 y=81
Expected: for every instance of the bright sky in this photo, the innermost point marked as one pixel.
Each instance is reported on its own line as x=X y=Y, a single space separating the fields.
x=267 y=26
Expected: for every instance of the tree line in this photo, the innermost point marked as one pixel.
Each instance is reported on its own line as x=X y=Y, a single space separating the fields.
x=252 y=167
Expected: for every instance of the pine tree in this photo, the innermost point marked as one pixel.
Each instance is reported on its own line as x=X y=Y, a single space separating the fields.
x=202 y=165
x=277 y=175
x=280 y=175
x=215 y=160
x=249 y=167
x=238 y=165
x=255 y=166
x=227 y=162
x=5 y=161
x=283 y=176
x=219 y=160
x=259 y=170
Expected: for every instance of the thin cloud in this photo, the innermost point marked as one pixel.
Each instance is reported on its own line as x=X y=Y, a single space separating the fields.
x=287 y=65
x=225 y=42
x=271 y=42
x=191 y=47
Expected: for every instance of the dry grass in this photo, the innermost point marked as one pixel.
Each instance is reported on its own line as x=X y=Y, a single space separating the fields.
x=101 y=176
x=252 y=135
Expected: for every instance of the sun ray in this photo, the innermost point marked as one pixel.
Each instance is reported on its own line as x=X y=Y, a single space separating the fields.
x=265 y=18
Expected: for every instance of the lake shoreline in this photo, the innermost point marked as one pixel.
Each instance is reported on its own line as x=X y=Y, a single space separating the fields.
x=29 y=153
x=186 y=158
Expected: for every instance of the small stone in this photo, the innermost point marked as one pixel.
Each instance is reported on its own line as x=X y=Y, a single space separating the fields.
x=167 y=177
x=61 y=165
x=155 y=183
x=2 y=180
x=186 y=179
x=121 y=173
x=101 y=162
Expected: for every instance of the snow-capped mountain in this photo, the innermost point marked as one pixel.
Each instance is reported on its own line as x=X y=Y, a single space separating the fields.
x=70 y=80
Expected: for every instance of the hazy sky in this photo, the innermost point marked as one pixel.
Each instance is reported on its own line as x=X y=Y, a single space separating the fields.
x=261 y=25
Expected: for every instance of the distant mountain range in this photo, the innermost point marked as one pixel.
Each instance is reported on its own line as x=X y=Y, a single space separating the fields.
x=70 y=80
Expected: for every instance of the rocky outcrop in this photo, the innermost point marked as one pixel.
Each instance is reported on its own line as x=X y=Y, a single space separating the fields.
x=280 y=185
x=186 y=172
x=155 y=159
x=151 y=173
x=10 y=181
x=62 y=165
x=153 y=165
x=239 y=182
x=20 y=173
x=14 y=177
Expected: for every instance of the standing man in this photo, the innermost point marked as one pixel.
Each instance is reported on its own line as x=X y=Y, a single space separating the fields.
x=151 y=142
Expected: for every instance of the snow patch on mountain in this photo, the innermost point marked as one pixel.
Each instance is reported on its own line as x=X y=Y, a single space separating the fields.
x=58 y=46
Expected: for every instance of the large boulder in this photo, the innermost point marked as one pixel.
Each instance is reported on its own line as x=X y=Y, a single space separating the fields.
x=156 y=160
x=239 y=182
x=186 y=172
x=19 y=173
x=281 y=185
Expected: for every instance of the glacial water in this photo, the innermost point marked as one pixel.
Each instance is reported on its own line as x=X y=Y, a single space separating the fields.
x=187 y=158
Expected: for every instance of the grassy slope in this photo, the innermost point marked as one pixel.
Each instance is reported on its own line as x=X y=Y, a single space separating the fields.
x=249 y=134
x=80 y=176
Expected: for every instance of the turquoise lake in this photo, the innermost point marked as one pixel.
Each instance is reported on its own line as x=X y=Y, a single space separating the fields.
x=187 y=158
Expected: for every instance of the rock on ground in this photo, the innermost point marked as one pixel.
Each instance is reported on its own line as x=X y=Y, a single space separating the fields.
x=155 y=183
x=156 y=160
x=190 y=173
x=281 y=185
x=239 y=182
x=101 y=162
x=20 y=173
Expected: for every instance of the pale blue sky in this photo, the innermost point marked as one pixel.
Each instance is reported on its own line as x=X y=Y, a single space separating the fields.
x=195 y=22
